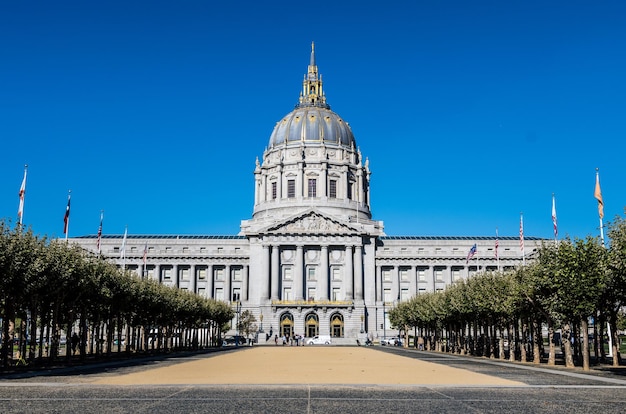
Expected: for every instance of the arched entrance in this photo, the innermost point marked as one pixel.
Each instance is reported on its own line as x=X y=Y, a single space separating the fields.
x=312 y=325
x=336 y=325
x=286 y=324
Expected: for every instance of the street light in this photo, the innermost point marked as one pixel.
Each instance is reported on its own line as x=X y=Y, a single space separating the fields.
x=238 y=310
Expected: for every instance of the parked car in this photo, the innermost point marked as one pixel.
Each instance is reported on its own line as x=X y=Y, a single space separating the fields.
x=232 y=340
x=320 y=340
x=394 y=341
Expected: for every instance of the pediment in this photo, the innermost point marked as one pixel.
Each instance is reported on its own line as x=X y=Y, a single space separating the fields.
x=311 y=223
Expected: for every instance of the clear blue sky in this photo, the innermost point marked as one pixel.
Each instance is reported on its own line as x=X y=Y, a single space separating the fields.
x=470 y=112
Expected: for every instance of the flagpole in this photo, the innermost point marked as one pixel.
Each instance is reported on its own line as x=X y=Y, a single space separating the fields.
x=98 y=242
x=521 y=237
x=556 y=232
x=124 y=249
x=20 y=210
x=497 y=255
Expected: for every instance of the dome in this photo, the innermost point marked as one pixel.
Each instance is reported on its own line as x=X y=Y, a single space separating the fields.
x=312 y=121
x=310 y=124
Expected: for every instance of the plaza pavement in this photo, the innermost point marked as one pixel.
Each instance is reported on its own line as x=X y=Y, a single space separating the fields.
x=264 y=365
x=311 y=380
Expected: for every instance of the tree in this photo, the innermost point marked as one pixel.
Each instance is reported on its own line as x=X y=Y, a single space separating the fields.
x=247 y=323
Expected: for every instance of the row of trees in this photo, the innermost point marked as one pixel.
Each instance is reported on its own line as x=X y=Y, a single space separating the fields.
x=48 y=288
x=501 y=314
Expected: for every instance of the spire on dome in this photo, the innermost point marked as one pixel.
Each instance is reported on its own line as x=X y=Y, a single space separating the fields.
x=312 y=93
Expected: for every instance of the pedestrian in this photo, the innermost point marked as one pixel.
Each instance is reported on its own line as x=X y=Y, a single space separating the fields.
x=276 y=339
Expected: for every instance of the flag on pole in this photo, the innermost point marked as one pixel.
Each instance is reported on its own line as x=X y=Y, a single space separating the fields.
x=123 y=248
x=145 y=254
x=66 y=218
x=497 y=244
x=20 y=209
x=521 y=233
x=471 y=253
x=556 y=231
x=598 y=196
x=99 y=232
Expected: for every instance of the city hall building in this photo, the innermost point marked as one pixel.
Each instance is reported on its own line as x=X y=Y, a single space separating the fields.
x=311 y=260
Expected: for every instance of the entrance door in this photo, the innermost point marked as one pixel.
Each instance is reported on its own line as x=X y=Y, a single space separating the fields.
x=286 y=325
x=336 y=325
x=312 y=325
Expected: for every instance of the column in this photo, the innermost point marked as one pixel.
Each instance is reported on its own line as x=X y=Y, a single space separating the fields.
x=275 y=272
x=228 y=296
x=263 y=273
x=192 y=278
x=358 y=272
x=157 y=273
x=323 y=192
x=299 y=273
x=245 y=283
x=322 y=282
x=279 y=183
x=379 y=284
x=413 y=281
x=349 y=274
x=209 y=281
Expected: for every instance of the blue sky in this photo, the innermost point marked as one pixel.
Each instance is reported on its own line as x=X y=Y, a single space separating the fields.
x=470 y=112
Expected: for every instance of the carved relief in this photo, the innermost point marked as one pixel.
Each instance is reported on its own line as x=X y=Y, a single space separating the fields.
x=312 y=223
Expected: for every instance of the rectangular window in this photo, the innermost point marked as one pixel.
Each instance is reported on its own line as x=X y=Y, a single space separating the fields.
x=219 y=294
x=336 y=273
x=201 y=273
x=287 y=273
x=387 y=275
x=336 y=293
x=150 y=271
x=387 y=296
x=439 y=275
x=133 y=249
x=421 y=275
x=291 y=188
x=166 y=272
x=183 y=273
x=312 y=187
x=332 y=189
x=349 y=191
x=185 y=249
x=404 y=274
x=219 y=273
x=274 y=190
x=202 y=250
x=311 y=294
x=287 y=293
x=202 y=292
x=404 y=294
x=237 y=273
x=310 y=274
x=236 y=294
x=456 y=274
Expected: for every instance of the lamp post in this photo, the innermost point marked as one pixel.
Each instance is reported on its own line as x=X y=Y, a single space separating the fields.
x=238 y=310
x=384 y=321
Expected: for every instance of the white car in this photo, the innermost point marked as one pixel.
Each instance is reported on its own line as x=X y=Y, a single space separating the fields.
x=391 y=341
x=320 y=340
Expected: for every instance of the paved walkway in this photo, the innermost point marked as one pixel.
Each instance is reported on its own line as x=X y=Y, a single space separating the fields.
x=305 y=365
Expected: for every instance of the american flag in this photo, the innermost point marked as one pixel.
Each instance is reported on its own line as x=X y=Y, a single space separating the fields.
x=471 y=253
x=99 y=232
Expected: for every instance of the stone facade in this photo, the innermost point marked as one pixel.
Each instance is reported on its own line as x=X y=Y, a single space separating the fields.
x=311 y=260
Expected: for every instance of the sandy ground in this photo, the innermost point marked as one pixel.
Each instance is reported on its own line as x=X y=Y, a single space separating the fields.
x=305 y=365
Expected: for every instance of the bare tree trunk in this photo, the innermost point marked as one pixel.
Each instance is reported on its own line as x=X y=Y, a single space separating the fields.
x=552 y=354
x=537 y=339
x=566 y=336
x=584 y=327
